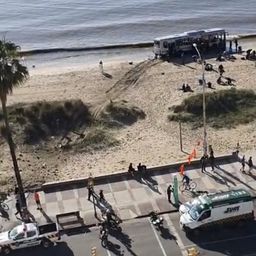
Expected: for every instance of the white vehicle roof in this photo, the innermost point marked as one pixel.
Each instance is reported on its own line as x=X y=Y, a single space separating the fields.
x=191 y=33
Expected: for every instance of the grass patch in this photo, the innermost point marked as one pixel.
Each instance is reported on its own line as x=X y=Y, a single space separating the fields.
x=38 y=121
x=97 y=138
x=120 y=113
x=225 y=108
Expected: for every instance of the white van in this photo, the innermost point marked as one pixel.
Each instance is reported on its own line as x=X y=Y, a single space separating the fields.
x=211 y=209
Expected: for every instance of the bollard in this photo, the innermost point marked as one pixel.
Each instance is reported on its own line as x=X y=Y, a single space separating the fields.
x=93 y=251
x=193 y=252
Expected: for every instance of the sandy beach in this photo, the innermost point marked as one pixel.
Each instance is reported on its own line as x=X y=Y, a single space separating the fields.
x=152 y=141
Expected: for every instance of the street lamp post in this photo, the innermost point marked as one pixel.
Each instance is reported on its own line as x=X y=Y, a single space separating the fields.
x=204 y=107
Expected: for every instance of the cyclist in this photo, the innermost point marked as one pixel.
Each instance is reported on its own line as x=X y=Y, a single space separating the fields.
x=185 y=181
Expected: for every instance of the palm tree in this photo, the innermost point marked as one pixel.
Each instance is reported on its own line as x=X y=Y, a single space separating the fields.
x=12 y=73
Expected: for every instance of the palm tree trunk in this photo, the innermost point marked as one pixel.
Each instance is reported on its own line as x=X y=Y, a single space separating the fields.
x=13 y=155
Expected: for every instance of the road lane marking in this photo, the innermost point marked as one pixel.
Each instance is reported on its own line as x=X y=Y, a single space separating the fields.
x=108 y=252
x=175 y=233
x=158 y=239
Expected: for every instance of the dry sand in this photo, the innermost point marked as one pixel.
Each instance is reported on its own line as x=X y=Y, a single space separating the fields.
x=153 y=141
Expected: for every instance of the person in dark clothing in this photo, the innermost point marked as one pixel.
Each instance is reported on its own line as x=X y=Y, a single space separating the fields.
x=131 y=170
x=18 y=208
x=243 y=164
x=230 y=46
x=169 y=192
x=186 y=180
x=250 y=164
x=140 y=168
x=211 y=158
x=203 y=163
x=236 y=44
x=90 y=192
x=221 y=69
x=102 y=198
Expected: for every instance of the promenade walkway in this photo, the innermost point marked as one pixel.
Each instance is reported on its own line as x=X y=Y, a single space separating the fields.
x=129 y=197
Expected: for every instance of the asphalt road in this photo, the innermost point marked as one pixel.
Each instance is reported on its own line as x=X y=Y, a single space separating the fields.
x=140 y=238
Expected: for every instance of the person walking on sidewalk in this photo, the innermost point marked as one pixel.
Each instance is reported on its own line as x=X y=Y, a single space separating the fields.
x=18 y=208
x=203 y=163
x=37 y=200
x=243 y=164
x=90 y=192
x=102 y=198
x=250 y=164
x=169 y=192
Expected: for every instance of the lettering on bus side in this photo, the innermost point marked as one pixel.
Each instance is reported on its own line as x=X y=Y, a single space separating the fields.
x=232 y=209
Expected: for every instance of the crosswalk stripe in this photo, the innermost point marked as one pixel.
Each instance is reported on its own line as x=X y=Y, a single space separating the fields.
x=157 y=238
x=175 y=233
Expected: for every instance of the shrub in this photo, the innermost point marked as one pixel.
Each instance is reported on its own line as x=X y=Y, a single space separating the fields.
x=225 y=108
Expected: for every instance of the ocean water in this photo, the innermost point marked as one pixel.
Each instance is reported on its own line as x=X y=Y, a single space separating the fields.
x=49 y=24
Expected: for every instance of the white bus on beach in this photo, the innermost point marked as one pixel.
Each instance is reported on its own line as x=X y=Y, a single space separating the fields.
x=174 y=45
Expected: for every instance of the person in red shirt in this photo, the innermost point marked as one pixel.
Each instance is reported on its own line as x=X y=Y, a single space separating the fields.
x=37 y=200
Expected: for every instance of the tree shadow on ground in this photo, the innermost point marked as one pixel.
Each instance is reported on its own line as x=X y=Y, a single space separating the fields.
x=114 y=248
x=124 y=239
x=166 y=234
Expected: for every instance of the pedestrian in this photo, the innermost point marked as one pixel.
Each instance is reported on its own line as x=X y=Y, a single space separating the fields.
x=236 y=44
x=37 y=200
x=203 y=163
x=131 y=170
x=243 y=164
x=90 y=191
x=230 y=46
x=250 y=164
x=169 y=193
x=101 y=66
x=211 y=158
x=18 y=208
x=102 y=198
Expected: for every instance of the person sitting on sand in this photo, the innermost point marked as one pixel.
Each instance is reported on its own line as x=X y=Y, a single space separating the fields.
x=188 y=88
x=209 y=84
x=183 y=88
x=221 y=69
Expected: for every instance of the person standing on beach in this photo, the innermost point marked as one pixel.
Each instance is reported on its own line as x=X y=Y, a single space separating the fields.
x=243 y=164
x=230 y=46
x=101 y=66
x=250 y=164
x=211 y=158
x=236 y=44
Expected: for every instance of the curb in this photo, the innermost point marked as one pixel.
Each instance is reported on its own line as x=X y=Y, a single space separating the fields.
x=171 y=168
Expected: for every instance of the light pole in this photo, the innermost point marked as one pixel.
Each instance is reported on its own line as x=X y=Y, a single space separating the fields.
x=204 y=107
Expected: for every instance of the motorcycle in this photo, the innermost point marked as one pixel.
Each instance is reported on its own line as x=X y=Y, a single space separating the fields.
x=156 y=220
x=104 y=236
x=112 y=221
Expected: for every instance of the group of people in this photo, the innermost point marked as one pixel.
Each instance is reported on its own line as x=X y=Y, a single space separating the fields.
x=141 y=169
x=186 y=88
x=250 y=164
x=205 y=158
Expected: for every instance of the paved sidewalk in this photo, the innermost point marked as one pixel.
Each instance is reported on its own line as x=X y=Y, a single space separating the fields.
x=130 y=198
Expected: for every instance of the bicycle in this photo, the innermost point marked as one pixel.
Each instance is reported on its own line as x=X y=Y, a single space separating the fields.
x=4 y=206
x=190 y=187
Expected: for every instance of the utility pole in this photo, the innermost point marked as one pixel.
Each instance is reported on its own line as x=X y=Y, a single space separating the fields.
x=204 y=105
